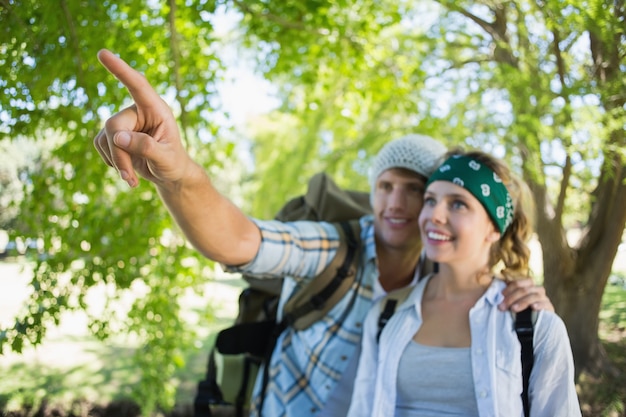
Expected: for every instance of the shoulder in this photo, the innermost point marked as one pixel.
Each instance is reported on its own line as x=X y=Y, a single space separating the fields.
x=404 y=298
x=550 y=326
x=549 y=331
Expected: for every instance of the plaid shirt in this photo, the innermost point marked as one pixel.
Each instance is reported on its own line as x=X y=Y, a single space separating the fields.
x=306 y=365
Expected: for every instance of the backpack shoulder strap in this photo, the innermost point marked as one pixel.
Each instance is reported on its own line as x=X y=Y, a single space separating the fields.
x=388 y=306
x=391 y=301
x=524 y=327
x=321 y=294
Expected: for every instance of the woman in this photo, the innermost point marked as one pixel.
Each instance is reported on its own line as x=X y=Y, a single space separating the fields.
x=448 y=350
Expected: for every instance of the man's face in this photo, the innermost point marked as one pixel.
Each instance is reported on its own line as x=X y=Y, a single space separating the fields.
x=398 y=200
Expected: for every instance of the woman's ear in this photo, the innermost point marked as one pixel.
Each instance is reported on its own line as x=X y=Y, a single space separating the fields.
x=493 y=236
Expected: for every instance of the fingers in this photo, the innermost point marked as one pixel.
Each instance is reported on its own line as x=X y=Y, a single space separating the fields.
x=139 y=88
x=124 y=121
x=116 y=126
x=127 y=149
x=542 y=304
x=114 y=157
x=102 y=146
x=148 y=122
x=519 y=295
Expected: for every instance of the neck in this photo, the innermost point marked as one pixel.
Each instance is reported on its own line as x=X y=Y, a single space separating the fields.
x=396 y=267
x=454 y=282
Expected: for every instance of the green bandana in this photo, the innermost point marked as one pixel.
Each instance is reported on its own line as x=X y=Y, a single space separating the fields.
x=482 y=182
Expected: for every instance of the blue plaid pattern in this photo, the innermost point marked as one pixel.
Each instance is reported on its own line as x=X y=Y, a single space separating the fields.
x=306 y=365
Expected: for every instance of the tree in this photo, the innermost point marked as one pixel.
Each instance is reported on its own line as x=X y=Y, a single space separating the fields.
x=20 y=163
x=539 y=83
x=542 y=80
x=94 y=232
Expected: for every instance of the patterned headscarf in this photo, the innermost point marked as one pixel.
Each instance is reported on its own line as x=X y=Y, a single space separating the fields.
x=482 y=183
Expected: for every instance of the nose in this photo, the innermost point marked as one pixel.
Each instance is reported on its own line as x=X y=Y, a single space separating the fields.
x=438 y=213
x=397 y=198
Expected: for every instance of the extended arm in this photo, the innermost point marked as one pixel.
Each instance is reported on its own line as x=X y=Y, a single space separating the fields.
x=144 y=139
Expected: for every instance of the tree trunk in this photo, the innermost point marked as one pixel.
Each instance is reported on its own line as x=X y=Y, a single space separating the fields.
x=575 y=279
x=580 y=309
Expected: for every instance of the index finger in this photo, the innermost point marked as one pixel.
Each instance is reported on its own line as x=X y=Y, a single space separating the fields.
x=139 y=88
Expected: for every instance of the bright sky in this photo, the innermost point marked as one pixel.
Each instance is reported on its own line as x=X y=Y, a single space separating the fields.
x=243 y=93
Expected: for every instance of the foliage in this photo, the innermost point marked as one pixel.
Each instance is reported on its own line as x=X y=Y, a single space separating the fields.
x=95 y=233
x=21 y=160
x=538 y=83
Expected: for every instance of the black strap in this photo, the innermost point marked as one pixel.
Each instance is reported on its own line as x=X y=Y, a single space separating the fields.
x=525 y=331
x=208 y=392
x=266 y=363
x=240 y=401
x=385 y=315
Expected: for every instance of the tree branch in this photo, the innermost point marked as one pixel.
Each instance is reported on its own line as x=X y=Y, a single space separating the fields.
x=175 y=54
x=73 y=41
x=279 y=20
x=560 y=202
x=497 y=30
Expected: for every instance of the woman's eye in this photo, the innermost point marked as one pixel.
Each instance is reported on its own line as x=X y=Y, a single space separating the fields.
x=457 y=204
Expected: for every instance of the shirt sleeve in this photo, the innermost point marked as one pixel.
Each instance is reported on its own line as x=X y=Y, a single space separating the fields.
x=300 y=249
x=552 y=390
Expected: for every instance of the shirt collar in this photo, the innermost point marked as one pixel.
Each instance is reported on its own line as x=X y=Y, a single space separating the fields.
x=367 y=224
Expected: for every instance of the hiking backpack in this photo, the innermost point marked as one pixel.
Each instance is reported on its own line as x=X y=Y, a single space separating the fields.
x=524 y=328
x=241 y=349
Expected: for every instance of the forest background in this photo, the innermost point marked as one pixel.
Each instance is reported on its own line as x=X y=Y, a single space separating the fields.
x=539 y=83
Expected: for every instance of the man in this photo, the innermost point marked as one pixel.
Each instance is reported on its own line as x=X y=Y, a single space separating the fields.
x=311 y=371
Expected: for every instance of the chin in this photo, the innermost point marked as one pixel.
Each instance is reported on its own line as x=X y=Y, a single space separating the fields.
x=434 y=256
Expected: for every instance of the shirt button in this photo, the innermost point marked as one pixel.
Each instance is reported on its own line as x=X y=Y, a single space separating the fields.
x=483 y=394
x=479 y=351
x=343 y=358
x=357 y=325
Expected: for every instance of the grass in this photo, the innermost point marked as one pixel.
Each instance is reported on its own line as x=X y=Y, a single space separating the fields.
x=107 y=375
x=605 y=395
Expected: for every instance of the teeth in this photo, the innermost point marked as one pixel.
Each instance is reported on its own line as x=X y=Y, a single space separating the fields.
x=438 y=236
x=397 y=221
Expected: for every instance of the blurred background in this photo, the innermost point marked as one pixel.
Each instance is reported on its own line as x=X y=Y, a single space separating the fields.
x=101 y=298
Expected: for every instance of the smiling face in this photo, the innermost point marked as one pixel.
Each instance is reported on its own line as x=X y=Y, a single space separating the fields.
x=455 y=227
x=397 y=201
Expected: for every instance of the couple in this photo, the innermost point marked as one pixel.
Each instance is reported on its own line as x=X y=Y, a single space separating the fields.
x=313 y=371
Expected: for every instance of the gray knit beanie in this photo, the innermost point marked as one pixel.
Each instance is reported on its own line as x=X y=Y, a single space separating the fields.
x=418 y=153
